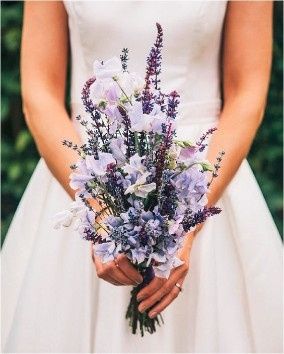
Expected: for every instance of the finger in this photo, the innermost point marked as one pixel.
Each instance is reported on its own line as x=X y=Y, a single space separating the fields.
x=101 y=274
x=98 y=263
x=150 y=289
x=128 y=269
x=115 y=273
x=165 y=302
x=92 y=253
x=161 y=292
x=112 y=281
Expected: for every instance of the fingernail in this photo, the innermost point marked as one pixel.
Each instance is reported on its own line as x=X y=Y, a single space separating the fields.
x=141 y=309
x=139 y=282
x=140 y=297
x=152 y=314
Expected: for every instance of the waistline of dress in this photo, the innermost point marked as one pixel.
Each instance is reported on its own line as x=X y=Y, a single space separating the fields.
x=196 y=112
x=191 y=112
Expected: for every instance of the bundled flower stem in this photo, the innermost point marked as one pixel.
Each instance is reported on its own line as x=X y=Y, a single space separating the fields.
x=138 y=320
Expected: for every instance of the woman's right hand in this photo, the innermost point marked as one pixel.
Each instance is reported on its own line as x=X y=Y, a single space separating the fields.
x=123 y=274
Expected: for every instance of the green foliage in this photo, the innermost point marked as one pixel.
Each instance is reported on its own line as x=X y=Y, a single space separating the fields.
x=18 y=152
x=19 y=155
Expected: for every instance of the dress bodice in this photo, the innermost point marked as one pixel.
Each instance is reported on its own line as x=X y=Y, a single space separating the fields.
x=191 y=52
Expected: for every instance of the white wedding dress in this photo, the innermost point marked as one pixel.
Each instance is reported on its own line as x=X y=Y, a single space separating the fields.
x=52 y=300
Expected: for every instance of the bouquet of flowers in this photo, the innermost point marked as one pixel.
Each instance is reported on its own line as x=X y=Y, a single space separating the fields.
x=150 y=186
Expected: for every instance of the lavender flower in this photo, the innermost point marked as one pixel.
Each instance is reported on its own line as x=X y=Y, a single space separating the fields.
x=124 y=59
x=192 y=219
x=153 y=71
x=201 y=143
x=173 y=102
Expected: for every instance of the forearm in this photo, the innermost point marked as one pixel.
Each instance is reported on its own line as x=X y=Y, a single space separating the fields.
x=238 y=124
x=49 y=124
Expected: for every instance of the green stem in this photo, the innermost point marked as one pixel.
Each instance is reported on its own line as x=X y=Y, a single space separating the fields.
x=136 y=318
x=128 y=99
x=136 y=142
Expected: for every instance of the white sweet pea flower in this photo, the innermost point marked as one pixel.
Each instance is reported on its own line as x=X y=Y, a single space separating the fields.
x=147 y=122
x=139 y=188
x=118 y=149
x=107 y=69
x=131 y=83
x=97 y=91
x=63 y=219
x=135 y=165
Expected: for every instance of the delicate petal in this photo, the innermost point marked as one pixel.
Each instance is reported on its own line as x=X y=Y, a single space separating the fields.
x=118 y=149
x=105 y=251
x=77 y=181
x=143 y=190
x=107 y=69
x=63 y=219
x=131 y=83
x=99 y=166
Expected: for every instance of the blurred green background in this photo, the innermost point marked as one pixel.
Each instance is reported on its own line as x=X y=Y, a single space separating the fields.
x=19 y=155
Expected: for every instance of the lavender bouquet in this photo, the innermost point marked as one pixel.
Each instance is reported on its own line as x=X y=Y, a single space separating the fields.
x=150 y=186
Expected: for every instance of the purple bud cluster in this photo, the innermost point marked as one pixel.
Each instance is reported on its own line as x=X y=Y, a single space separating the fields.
x=191 y=219
x=173 y=102
x=124 y=59
x=201 y=142
x=85 y=96
x=153 y=71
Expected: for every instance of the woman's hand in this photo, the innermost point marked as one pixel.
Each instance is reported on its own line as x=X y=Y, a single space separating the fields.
x=163 y=291
x=120 y=271
x=123 y=274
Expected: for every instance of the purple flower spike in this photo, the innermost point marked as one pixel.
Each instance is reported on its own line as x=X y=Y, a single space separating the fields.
x=191 y=220
x=153 y=71
x=173 y=102
x=89 y=106
x=201 y=143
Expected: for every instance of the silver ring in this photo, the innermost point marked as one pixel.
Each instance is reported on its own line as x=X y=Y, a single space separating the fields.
x=179 y=286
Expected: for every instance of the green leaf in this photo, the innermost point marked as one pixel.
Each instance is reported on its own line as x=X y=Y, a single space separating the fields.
x=23 y=140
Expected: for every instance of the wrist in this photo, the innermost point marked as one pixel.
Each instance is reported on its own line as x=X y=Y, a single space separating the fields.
x=190 y=236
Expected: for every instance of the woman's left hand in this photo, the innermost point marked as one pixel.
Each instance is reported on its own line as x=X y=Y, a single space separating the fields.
x=162 y=291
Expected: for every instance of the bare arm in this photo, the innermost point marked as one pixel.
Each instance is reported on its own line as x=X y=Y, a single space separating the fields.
x=246 y=72
x=246 y=63
x=43 y=73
